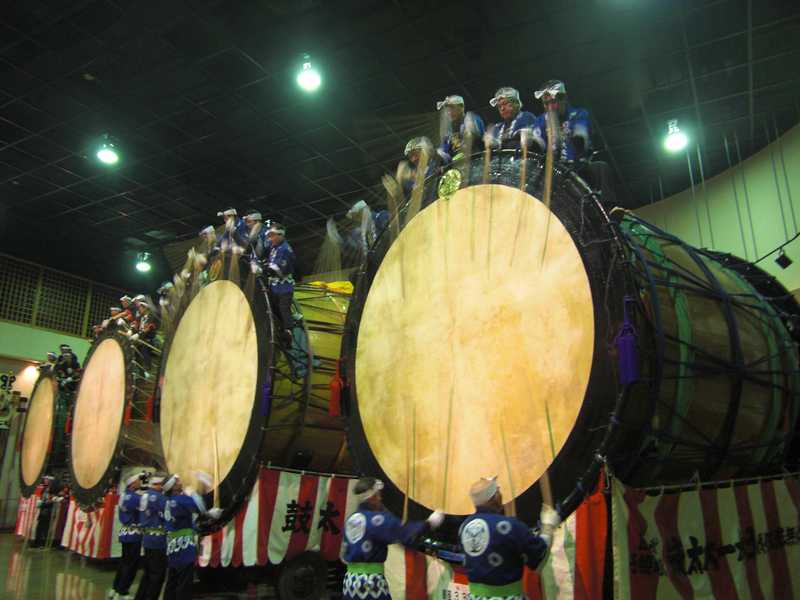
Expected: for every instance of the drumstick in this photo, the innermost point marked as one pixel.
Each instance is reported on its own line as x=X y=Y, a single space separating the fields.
x=216 y=467
x=548 y=172
x=513 y=504
x=523 y=176
x=392 y=188
x=415 y=203
x=488 y=139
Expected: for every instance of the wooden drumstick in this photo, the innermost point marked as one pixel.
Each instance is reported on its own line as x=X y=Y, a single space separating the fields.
x=523 y=176
x=415 y=204
x=216 y=467
x=552 y=131
x=513 y=503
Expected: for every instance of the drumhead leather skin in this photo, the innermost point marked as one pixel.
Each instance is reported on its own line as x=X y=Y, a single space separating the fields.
x=469 y=345
x=210 y=380
x=99 y=410
x=38 y=430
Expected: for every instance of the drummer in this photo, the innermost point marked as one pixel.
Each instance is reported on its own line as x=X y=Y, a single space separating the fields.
x=407 y=169
x=180 y=519
x=497 y=547
x=280 y=274
x=506 y=133
x=130 y=535
x=67 y=369
x=463 y=128
x=367 y=533
x=575 y=141
x=154 y=540
x=256 y=235
x=234 y=234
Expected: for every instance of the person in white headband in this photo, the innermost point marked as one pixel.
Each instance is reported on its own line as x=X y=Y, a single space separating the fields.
x=460 y=130
x=280 y=268
x=154 y=539
x=130 y=534
x=180 y=520
x=368 y=533
x=507 y=133
x=496 y=547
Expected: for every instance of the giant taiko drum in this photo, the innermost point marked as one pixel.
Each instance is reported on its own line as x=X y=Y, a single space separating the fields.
x=43 y=446
x=491 y=338
x=233 y=397
x=112 y=425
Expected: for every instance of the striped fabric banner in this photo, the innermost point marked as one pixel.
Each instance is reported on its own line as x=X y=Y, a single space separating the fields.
x=286 y=514
x=572 y=571
x=92 y=534
x=731 y=542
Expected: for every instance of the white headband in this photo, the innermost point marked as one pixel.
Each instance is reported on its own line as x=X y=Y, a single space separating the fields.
x=170 y=483
x=553 y=88
x=450 y=100
x=376 y=487
x=483 y=490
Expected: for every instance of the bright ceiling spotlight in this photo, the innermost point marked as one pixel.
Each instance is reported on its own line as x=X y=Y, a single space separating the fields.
x=143 y=262
x=676 y=140
x=107 y=152
x=308 y=79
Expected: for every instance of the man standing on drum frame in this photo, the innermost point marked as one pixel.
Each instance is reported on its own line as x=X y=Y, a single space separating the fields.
x=574 y=143
x=497 y=547
x=280 y=277
x=506 y=134
x=460 y=127
x=367 y=535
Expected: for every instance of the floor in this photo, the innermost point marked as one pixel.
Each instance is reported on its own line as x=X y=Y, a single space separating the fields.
x=35 y=574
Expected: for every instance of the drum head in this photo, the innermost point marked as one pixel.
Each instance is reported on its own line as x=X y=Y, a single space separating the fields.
x=99 y=411
x=475 y=347
x=38 y=434
x=210 y=393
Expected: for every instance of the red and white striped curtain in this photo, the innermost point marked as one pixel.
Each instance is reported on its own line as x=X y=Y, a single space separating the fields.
x=93 y=534
x=286 y=515
x=730 y=542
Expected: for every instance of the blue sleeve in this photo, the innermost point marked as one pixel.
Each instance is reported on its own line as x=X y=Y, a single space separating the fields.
x=540 y=131
x=393 y=531
x=475 y=124
x=381 y=220
x=532 y=547
x=444 y=151
x=527 y=120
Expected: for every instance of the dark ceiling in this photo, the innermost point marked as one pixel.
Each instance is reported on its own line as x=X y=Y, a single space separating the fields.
x=202 y=99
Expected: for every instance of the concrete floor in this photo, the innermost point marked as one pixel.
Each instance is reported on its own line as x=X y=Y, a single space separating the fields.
x=34 y=574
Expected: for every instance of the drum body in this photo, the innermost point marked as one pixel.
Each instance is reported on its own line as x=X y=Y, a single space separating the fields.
x=232 y=398
x=112 y=422
x=44 y=438
x=499 y=336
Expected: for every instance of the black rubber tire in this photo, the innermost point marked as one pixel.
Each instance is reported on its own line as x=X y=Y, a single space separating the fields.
x=304 y=578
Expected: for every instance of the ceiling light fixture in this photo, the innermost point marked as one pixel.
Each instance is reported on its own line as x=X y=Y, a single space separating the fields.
x=143 y=262
x=107 y=152
x=676 y=140
x=308 y=78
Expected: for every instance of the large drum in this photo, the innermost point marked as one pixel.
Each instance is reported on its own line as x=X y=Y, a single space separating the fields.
x=112 y=424
x=43 y=450
x=499 y=336
x=234 y=397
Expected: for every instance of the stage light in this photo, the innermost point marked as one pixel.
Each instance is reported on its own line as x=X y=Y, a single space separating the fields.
x=143 y=262
x=107 y=152
x=783 y=261
x=308 y=79
x=676 y=140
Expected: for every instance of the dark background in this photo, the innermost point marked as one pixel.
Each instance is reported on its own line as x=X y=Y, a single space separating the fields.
x=202 y=99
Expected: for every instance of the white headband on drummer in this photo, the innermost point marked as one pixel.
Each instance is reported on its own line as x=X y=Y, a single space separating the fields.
x=483 y=490
x=453 y=100
x=366 y=495
x=170 y=483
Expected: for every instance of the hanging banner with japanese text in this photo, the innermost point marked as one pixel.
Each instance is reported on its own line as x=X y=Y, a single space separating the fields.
x=286 y=514
x=729 y=542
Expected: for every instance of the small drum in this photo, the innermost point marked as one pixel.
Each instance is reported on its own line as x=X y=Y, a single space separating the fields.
x=500 y=336
x=112 y=424
x=232 y=397
x=43 y=450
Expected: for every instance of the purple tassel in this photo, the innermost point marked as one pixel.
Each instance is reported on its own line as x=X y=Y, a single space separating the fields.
x=627 y=354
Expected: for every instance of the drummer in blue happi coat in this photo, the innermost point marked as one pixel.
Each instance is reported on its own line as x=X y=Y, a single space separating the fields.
x=279 y=269
x=507 y=132
x=154 y=540
x=181 y=511
x=462 y=129
x=130 y=535
x=497 y=547
x=368 y=533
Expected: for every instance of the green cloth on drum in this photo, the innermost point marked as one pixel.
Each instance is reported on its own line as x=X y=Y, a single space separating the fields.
x=365 y=568
x=484 y=590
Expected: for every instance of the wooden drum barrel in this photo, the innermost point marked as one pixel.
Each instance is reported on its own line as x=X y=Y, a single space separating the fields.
x=499 y=336
x=232 y=400
x=112 y=424
x=38 y=436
